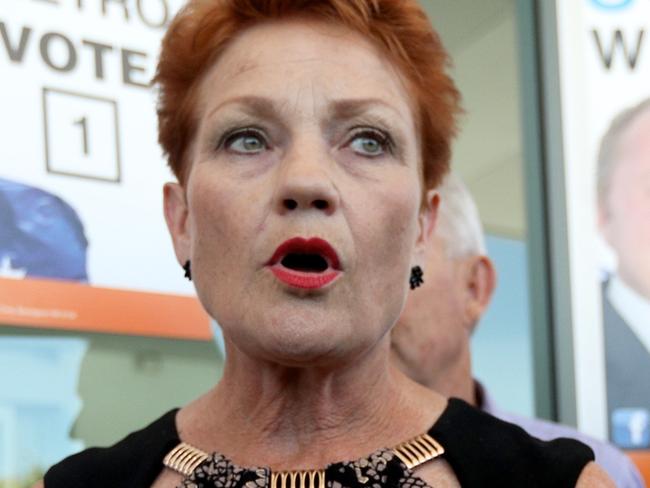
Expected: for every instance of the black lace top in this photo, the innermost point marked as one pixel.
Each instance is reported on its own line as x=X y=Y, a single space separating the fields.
x=482 y=450
x=380 y=469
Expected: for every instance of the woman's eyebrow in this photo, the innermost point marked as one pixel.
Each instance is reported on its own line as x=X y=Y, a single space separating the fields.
x=251 y=105
x=337 y=110
x=347 y=109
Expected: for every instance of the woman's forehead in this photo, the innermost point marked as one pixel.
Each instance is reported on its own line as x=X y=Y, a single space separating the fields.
x=304 y=66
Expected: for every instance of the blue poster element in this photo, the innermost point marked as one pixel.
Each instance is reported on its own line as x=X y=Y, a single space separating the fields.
x=631 y=428
x=612 y=4
x=41 y=235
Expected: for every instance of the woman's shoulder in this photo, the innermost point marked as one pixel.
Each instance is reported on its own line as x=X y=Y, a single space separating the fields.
x=136 y=460
x=483 y=450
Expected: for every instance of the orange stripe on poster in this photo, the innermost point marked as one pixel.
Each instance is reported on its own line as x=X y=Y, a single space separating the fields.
x=81 y=307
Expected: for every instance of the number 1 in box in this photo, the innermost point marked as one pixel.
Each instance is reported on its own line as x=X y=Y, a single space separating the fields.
x=81 y=135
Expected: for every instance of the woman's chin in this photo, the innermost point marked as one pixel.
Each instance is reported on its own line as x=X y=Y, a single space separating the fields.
x=313 y=346
x=302 y=341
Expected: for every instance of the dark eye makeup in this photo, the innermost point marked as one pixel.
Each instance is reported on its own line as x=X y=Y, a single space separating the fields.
x=246 y=140
x=370 y=142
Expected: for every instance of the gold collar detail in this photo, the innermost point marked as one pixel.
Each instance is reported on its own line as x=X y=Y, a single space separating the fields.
x=185 y=458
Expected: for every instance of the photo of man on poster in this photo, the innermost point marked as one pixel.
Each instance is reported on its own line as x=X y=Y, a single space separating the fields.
x=623 y=179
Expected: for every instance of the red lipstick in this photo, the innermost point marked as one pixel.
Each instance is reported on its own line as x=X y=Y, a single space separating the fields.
x=305 y=263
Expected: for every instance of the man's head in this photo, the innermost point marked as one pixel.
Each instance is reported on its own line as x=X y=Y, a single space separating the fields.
x=624 y=194
x=431 y=340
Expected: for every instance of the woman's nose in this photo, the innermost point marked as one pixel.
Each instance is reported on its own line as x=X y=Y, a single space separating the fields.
x=306 y=184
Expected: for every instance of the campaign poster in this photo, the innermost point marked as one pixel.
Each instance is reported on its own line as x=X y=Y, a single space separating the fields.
x=83 y=243
x=604 y=61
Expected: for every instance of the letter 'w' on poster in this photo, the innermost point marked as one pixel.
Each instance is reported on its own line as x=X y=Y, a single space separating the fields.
x=604 y=73
x=83 y=241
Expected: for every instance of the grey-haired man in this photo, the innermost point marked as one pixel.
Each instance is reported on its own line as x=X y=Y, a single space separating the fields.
x=431 y=342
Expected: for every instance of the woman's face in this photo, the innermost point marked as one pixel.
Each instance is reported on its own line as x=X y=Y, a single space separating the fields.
x=300 y=213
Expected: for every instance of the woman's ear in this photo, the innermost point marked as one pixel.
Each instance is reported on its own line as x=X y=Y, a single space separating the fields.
x=427 y=219
x=176 y=216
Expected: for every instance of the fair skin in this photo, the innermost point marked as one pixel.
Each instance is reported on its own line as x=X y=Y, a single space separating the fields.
x=307 y=379
x=625 y=215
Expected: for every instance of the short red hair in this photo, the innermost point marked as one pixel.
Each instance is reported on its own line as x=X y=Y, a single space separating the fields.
x=399 y=28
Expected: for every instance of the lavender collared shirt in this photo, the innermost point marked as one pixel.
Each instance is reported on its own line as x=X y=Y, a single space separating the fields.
x=619 y=467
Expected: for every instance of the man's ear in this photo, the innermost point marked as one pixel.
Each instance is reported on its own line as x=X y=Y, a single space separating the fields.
x=481 y=280
x=176 y=216
x=427 y=219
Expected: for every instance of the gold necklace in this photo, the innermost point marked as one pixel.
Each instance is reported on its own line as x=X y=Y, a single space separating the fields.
x=185 y=458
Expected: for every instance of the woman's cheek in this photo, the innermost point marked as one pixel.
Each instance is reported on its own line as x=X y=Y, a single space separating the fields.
x=216 y=230
x=390 y=223
x=399 y=218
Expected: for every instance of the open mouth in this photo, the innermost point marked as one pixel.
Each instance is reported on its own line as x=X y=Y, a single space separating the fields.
x=308 y=263
x=305 y=263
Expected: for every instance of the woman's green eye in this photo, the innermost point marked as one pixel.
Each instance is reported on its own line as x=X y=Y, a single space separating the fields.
x=248 y=142
x=369 y=144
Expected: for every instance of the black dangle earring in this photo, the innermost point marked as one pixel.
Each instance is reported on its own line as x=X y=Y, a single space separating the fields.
x=416 y=277
x=188 y=270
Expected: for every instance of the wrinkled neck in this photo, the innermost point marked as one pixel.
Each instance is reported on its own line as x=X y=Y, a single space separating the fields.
x=267 y=414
